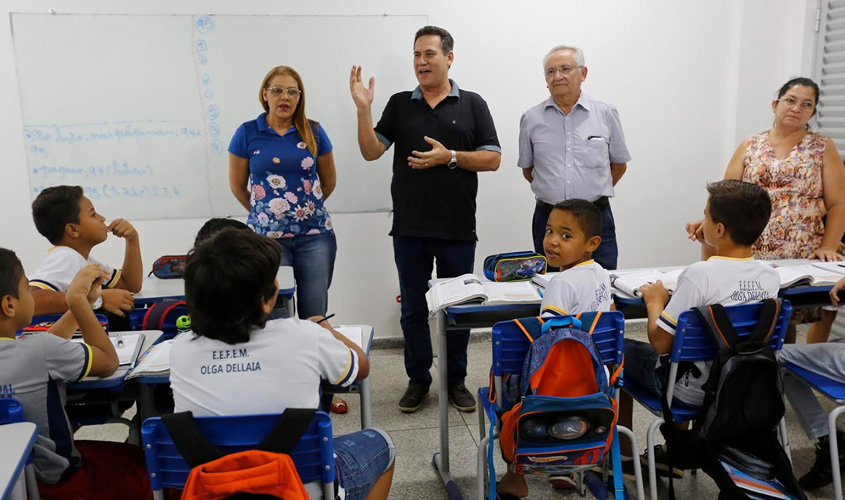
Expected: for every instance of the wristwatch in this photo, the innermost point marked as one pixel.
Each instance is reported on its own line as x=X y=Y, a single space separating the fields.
x=453 y=163
x=97 y=303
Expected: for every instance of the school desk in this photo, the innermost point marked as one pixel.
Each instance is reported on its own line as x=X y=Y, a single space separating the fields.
x=17 y=440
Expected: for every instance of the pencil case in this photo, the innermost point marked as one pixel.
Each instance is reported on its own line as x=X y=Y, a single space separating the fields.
x=169 y=267
x=514 y=266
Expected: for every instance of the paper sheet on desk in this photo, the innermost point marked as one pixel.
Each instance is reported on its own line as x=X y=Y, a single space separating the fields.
x=155 y=362
x=127 y=346
x=353 y=333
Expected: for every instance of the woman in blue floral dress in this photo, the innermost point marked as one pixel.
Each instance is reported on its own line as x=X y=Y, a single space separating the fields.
x=282 y=170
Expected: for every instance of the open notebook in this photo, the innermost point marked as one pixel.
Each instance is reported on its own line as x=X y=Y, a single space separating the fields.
x=629 y=282
x=808 y=275
x=127 y=345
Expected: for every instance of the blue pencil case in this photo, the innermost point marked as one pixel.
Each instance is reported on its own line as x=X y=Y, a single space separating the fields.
x=514 y=266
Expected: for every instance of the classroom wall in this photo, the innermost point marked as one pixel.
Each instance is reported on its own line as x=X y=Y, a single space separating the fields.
x=690 y=80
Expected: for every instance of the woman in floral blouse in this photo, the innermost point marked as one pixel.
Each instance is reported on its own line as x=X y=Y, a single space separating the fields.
x=804 y=175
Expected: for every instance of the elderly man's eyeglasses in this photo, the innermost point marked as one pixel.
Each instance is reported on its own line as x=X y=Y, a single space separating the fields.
x=278 y=91
x=792 y=102
x=563 y=70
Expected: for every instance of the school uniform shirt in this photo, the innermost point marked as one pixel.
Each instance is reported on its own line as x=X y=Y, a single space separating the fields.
x=34 y=369
x=280 y=367
x=60 y=266
x=718 y=280
x=581 y=288
x=285 y=196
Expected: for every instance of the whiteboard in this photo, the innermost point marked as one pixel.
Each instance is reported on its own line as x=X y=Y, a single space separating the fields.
x=139 y=109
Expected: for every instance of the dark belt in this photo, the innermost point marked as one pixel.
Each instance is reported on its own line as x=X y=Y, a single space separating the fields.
x=602 y=204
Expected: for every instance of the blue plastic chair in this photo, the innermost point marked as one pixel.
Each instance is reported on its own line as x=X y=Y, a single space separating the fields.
x=834 y=391
x=313 y=455
x=510 y=347
x=693 y=342
x=11 y=411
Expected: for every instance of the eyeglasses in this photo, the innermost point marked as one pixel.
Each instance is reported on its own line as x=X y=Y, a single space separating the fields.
x=278 y=91
x=792 y=102
x=563 y=70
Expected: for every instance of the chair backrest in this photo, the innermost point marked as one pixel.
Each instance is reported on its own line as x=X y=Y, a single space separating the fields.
x=510 y=345
x=313 y=456
x=11 y=411
x=693 y=341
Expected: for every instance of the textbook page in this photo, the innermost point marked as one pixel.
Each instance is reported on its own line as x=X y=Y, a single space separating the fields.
x=832 y=267
x=520 y=292
x=629 y=282
x=807 y=275
x=156 y=361
x=543 y=280
x=458 y=290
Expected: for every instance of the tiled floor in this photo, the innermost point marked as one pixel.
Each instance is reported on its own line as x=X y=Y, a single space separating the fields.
x=417 y=438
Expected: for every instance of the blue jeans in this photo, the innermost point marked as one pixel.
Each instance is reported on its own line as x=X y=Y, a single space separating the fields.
x=361 y=457
x=312 y=257
x=415 y=258
x=606 y=254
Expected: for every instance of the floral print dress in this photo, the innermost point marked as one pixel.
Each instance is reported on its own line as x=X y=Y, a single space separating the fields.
x=794 y=184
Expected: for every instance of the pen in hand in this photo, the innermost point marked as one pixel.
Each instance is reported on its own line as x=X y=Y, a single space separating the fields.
x=326 y=318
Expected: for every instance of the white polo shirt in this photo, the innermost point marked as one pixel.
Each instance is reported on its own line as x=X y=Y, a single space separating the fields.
x=280 y=367
x=718 y=280
x=60 y=266
x=581 y=288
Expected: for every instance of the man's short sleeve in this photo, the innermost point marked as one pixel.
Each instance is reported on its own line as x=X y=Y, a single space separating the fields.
x=237 y=146
x=66 y=360
x=386 y=127
x=114 y=274
x=324 y=145
x=559 y=297
x=338 y=363
x=526 y=149
x=687 y=295
x=57 y=270
x=485 y=130
x=618 y=150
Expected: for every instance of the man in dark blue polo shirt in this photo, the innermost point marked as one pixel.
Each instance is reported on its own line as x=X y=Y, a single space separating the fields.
x=443 y=136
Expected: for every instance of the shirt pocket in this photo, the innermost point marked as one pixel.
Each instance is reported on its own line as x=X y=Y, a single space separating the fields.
x=596 y=153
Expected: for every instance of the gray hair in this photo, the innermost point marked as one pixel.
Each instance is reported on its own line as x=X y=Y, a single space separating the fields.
x=579 y=54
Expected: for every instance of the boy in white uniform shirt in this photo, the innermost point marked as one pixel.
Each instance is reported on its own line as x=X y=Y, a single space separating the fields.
x=735 y=216
x=236 y=362
x=572 y=235
x=64 y=216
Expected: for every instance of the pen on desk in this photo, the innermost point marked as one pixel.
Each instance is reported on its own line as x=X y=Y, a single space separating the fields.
x=330 y=316
x=540 y=291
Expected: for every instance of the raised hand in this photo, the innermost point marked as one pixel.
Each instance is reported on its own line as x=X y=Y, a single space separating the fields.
x=363 y=96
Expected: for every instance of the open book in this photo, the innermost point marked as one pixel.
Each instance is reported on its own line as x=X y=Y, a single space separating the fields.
x=832 y=267
x=156 y=361
x=469 y=288
x=127 y=346
x=807 y=275
x=629 y=282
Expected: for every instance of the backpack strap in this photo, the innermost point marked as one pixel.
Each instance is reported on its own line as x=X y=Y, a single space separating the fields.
x=560 y=321
x=193 y=446
x=283 y=437
x=767 y=321
x=157 y=313
x=717 y=322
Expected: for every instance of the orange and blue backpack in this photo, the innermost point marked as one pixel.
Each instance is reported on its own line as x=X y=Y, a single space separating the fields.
x=559 y=414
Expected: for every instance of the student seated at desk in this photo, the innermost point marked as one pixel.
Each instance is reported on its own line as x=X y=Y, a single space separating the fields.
x=734 y=217
x=572 y=235
x=67 y=218
x=236 y=362
x=34 y=370
x=826 y=359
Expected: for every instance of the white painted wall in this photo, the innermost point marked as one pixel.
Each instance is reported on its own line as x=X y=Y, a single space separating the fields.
x=689 y=79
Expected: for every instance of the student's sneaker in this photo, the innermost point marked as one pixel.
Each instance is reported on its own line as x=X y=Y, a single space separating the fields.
x=413 y=398
x=821 y=474
x=661 y=463
x=567 y=482
x=461 y=398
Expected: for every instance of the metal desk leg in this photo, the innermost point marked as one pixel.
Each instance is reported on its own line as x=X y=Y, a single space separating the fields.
x=441 y=459
x=366 y=404
x=289 y=307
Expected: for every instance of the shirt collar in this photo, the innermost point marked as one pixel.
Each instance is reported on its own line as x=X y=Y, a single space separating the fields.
x=581 y=102
x=264 y=127
x=455 y=92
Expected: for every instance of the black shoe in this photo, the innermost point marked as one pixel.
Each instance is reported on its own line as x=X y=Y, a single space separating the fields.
x=413 y=398
x=461 y=398
x=821 y=473
x=661 y=463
